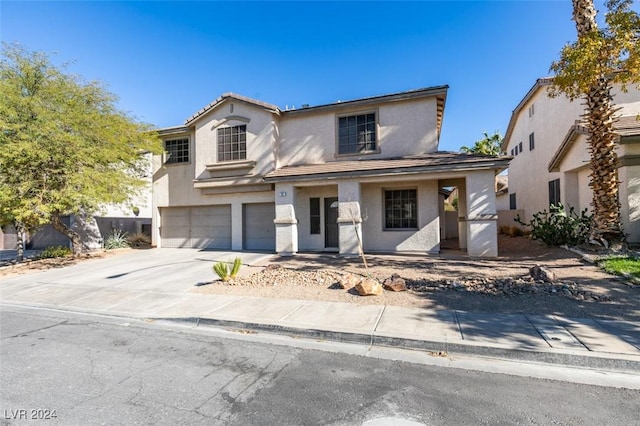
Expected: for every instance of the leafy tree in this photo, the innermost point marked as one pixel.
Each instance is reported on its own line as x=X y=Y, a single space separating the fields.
x=489 y=145
x=65 y=148
x=587 y=69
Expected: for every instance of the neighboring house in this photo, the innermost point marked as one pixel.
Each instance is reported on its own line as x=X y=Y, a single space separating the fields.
x=242 y=174
x=502 y=192
x=547 y=139
x=8 y=237
x=96 y=229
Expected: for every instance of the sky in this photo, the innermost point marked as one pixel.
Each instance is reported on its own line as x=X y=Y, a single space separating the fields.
x=166 y=60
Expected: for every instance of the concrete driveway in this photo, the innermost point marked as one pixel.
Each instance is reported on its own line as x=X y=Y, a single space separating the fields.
x=167 y=270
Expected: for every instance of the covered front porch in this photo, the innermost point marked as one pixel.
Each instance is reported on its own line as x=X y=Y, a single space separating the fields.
x=384 y=212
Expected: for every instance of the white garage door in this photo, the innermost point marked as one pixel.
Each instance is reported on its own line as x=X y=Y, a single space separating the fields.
x=259 y=231
x=196 y=227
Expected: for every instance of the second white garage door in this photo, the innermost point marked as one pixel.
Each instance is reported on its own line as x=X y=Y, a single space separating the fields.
x=259 y=231
x=196 y=227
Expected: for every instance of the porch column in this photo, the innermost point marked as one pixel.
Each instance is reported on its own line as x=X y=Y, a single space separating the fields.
x=482 y=219
x=285 y=221
x=462 y=216
x=349 y=218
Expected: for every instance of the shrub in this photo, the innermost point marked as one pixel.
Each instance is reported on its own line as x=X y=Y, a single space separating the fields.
x=55 y=252
x=138 y=240
x=515 y=231
x=117 y=239
x=226 y=272
x=559 y=227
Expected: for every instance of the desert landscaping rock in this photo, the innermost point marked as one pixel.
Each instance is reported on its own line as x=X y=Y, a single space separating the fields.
x=348 y=281
x=541 y=273
x=369 y=287
x=395 y=283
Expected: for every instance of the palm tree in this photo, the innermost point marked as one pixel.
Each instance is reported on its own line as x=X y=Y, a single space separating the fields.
x=601 y=138
x=587 y=69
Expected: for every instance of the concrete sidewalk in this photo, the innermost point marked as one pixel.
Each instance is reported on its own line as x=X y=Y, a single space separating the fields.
x=589 y=343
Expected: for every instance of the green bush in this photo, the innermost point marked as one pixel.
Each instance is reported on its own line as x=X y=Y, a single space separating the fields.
x=226 y=272
x=117 y=239
x=55 y=252
x=559 y=227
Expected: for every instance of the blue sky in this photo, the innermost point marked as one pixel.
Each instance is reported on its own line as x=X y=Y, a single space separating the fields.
x=166 y=60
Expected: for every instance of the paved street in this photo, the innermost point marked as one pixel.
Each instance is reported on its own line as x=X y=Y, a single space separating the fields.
x=101 y=370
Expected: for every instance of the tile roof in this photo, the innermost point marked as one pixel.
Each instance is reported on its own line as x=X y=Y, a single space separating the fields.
x=438 y=161
x=439 y=92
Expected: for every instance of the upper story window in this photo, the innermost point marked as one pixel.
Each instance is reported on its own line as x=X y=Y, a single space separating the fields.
x=532 y=110
x=532 y=142
x=232 y=143
x=357 y=133
x=520 y=147
x=177 y=151
x=512 y=202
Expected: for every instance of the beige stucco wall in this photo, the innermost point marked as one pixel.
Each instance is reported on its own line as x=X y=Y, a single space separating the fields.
x=306 y=240
x=425 y=239
x=404 y=128
x=261 y=135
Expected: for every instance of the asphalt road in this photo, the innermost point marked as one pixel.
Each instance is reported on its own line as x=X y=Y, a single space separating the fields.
x=90 y=370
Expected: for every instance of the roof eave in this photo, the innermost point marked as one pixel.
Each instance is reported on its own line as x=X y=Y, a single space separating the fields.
x=541 y=82
x=494 y=164
x=233 y=96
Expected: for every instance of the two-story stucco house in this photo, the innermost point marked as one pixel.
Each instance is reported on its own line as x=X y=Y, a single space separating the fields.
x=243 y=174
x=547 y=139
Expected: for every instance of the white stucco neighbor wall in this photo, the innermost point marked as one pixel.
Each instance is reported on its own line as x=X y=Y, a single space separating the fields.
x=552 y=119
x=528 y=174
x=630 y=202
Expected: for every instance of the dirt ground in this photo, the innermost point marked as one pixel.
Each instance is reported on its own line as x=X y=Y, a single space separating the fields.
x=313 y=277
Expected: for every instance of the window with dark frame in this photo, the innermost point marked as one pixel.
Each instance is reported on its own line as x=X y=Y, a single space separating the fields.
x=400 y=209
x=232 y=143
x=532 y=142
x=177 y=151
x=512 y=152
x=520 y=147
x=314 y=215
x=512 y=202
x=357 y=133
x=554 y=192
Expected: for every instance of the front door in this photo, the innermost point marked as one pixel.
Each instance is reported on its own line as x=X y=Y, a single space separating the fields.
x=331 y=222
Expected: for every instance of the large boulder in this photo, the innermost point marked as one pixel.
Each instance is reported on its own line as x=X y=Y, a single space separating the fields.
x=369 y=287
x=395 y=283
x=348 y=281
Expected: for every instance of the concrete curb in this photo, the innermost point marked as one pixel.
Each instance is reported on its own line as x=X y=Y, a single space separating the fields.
x=619 y=363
